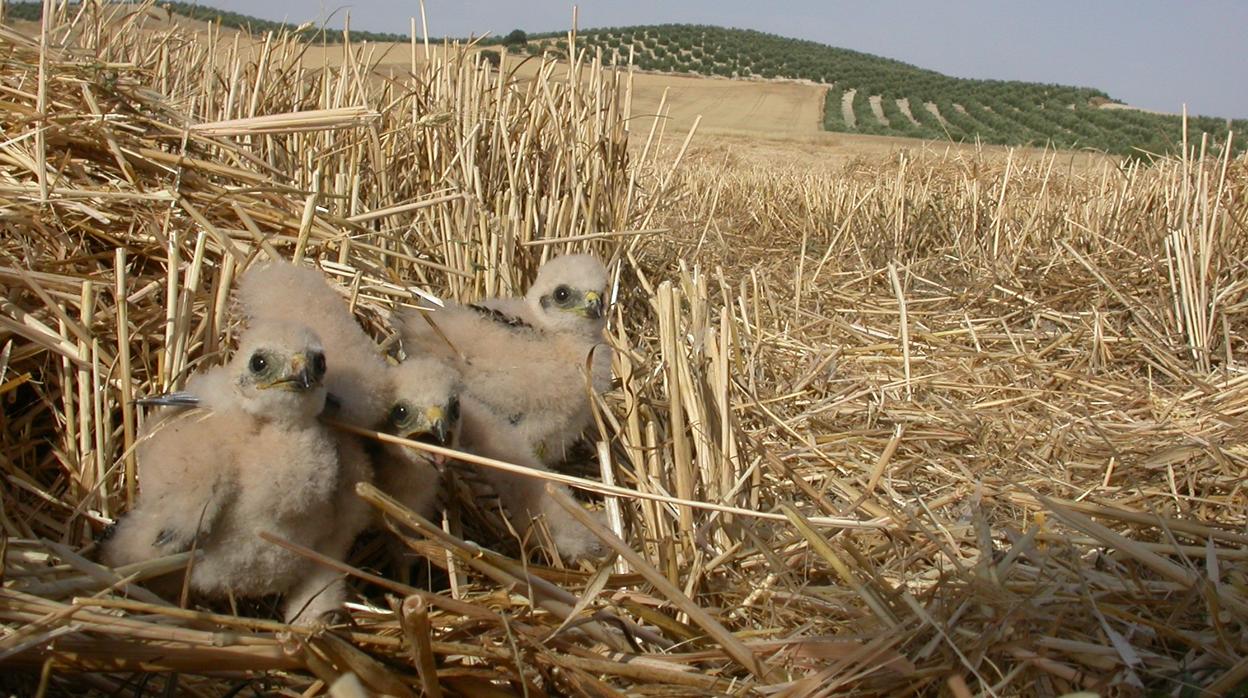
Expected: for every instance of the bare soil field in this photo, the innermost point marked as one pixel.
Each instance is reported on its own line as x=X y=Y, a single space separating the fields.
x=732 y=107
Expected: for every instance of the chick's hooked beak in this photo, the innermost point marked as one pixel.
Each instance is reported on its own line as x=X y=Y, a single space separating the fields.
x=593 y=306
x=301 y=376
x=435 y=426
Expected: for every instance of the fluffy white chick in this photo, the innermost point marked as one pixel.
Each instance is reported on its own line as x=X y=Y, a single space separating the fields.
x=523 y=498
x=428 y=407
x=416 y=400
x=358 y=382
x=425 y=407
x=255 y=459
x=568 y=295
x=525 y=359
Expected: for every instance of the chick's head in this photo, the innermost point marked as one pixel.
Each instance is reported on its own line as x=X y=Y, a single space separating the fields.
x=570 y=295
x=426 y=401
x=279 y=371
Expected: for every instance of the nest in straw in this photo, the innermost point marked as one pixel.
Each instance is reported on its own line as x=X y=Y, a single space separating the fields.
x=947 y=423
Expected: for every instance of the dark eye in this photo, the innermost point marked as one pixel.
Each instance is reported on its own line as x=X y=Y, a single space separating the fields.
x=398 y=415
x=318 y=364
x=258 y=363
x=562 y=294
x=452 y=410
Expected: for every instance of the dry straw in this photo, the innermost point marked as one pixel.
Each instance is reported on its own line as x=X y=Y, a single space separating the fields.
x=965 y=424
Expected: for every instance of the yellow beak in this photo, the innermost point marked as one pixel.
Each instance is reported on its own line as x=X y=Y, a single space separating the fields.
x=435 y=424
x=593 y=304
x=299 y=378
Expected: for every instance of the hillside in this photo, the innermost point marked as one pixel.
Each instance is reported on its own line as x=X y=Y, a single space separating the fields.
x=865 y=94
x=873 y=95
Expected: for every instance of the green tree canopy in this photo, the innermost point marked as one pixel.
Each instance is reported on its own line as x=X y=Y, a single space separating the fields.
x=516 y=37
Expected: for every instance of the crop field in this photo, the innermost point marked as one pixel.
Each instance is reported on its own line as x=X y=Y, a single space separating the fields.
x=782 y=87
x=945 y=108
x=921 y=421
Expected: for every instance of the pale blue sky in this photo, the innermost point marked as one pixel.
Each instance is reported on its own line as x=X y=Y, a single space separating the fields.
x=1149 y=53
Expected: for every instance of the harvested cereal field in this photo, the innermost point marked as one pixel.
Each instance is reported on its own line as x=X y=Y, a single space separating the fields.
x=923 y=421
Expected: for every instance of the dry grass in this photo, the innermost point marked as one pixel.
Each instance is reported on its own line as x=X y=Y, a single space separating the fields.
x=965 y=426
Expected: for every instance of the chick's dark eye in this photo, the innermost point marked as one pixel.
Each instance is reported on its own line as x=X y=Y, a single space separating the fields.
x=452 y=410
x=562 y=294
x=398 y=414
x=258 y=363
x=318 y=364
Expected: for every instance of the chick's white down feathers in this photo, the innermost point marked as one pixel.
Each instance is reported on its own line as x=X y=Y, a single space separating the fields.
x=524 y=364
x=357 y=377
x=425 y=407
x=527 y=359
x=523 y=498
x=557 y=301
x=255 y=459
x=367 y=390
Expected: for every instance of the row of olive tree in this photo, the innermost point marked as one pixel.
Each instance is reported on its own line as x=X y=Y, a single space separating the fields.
x=990 y=111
